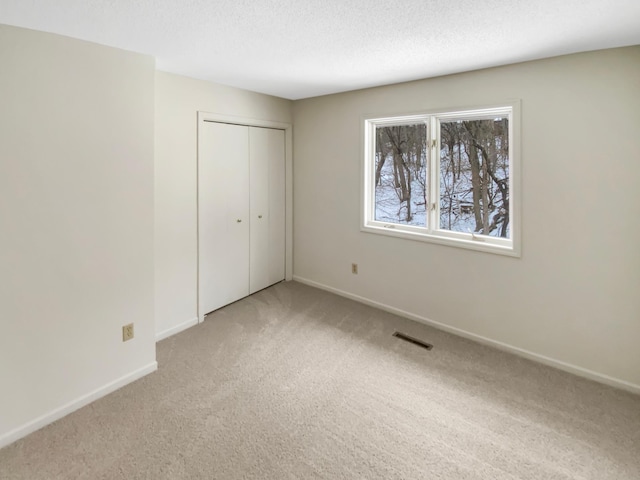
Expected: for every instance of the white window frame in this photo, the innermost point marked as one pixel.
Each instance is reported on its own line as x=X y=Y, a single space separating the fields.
x=484 y=243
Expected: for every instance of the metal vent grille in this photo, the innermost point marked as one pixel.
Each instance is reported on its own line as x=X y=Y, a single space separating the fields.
x=413 y=340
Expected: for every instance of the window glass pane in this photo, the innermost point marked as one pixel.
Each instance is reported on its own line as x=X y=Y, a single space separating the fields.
x=474 y=176
x=401 y=174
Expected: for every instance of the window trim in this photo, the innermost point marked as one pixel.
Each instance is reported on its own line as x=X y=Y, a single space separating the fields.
x=432 y=118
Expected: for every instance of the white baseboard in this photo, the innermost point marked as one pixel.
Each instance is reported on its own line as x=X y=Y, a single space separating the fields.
x=177 y=329
x=74 y=405
x=567 y=367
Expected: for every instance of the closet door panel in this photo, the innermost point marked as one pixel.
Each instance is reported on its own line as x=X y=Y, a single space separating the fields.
x=259 y=193
x=266 y=167
x=277 y=191
x=223 y=211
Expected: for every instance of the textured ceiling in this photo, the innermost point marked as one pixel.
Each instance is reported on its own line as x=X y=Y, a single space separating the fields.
x=303 y=48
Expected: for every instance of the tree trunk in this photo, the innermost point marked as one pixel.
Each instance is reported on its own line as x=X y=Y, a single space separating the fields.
x=403 y=184
x=485 y=196
x=475 y=185
x=382 y=152
x=383 y=158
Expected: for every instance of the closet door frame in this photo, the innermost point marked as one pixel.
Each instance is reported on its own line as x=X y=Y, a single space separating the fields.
x=288 y=151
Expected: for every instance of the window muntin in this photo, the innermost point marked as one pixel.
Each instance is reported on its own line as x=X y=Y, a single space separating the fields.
x=444 y=177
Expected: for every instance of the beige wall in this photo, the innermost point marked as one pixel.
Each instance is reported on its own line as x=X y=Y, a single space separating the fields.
x=76 y=224
x=573 y=297
x=178 y=99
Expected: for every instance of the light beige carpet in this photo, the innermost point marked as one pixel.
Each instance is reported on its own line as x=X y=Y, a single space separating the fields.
x=296 y=383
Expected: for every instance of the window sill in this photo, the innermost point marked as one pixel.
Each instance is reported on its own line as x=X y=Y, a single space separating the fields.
x=469 y=242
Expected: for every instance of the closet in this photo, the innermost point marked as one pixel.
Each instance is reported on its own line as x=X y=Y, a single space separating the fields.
x=241 y=211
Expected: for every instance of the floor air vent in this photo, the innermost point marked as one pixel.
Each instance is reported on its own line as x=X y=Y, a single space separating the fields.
x=415 y=341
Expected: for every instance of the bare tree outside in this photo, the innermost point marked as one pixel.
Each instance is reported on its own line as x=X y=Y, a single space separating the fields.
x=473 y=180
x=400 y=178
x=474 y=176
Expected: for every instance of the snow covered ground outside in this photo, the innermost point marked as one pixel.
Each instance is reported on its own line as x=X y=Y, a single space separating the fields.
x=388 y=207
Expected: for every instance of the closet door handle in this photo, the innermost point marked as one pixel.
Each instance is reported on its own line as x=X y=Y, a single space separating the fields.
x=238 y=220
x=259 y=216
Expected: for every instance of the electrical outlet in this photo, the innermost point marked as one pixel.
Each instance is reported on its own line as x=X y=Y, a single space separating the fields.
x=354 y=268
x=127 y=332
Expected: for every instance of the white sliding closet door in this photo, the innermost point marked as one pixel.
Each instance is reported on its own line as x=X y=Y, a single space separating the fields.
x=267 y=211
x=223 y=214
x=241 y=212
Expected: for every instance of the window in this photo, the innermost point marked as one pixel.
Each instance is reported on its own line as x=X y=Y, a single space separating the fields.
x=446 y=177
